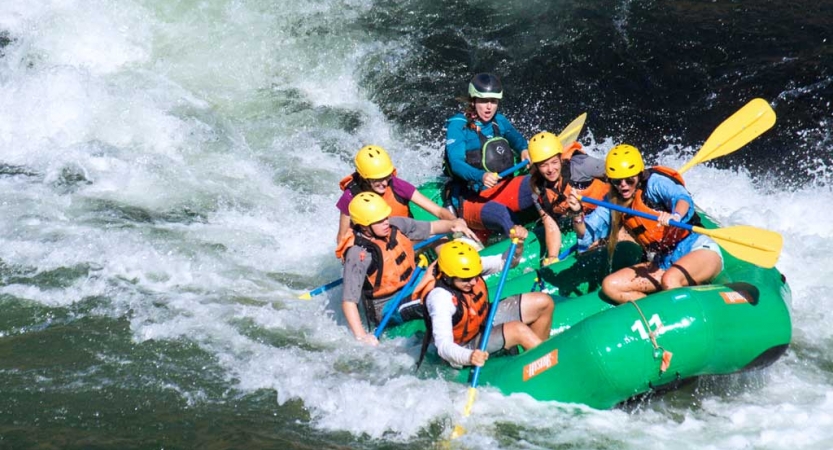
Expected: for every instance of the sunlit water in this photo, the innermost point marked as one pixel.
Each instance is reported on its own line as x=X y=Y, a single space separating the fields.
x=168 y=174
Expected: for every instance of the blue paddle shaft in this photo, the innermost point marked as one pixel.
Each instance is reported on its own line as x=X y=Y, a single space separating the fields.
x=325 y=287
x=493 y=310
x=567 y=252
x=396 y=300
x=634 y=212
x=512 y=169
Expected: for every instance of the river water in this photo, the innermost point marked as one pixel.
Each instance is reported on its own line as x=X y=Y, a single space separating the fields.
x=168 y=174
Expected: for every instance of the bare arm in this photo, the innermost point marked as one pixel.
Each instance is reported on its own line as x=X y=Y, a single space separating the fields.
x=578 y=220
x=343 y=227
x=355 y=271
x=552 y=235
x=452 y=226
x=433 y=208
x=354 y=322
x=680 y=211
x=525 y=156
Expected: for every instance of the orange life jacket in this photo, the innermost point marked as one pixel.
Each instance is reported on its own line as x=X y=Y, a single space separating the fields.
x=649 y=233
x=472 y=307
x=553 y=199
x=399 y=206
x=391 y=265
x=568 y=151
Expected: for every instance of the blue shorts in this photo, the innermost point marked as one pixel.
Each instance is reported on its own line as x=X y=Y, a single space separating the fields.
x=691 y=243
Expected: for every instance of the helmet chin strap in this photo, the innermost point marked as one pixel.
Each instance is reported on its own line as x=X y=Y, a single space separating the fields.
x=368 y=231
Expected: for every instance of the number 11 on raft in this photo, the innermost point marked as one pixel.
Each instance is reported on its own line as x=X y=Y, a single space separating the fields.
x=639 y=326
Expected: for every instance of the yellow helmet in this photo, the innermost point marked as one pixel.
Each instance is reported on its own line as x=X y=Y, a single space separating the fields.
x=459 y=259
x=373 y=163
x=623 y=161
x=367 y=208
x=544 y=146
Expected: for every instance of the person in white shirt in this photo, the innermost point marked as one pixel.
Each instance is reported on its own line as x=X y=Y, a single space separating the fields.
x=457 y=304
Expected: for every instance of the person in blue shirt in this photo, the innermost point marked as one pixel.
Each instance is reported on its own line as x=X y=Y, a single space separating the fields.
x=675 y=257
x=480 y=143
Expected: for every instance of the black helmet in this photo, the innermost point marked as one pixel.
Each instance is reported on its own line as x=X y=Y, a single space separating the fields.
x=485 y=85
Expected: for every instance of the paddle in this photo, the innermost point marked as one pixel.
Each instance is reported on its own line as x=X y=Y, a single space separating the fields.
x=755 y=245
x=394 y=303
x=738 y=130
x=320 y=289
x=458 y=429
x=334 y=283
x=513 y=169
x=567 y=136
x=570 y=133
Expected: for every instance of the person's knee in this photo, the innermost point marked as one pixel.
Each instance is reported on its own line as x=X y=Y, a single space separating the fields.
x=496 y=217
x=519 y=333
x=667 y=283
x=535 y=305
x=512 y=334
x=611 y=286
x=670 y=280
x=543 y=302
x=676 y=276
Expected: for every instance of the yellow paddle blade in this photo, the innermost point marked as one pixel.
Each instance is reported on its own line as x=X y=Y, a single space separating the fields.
x=738 y=130
x=755 y=245
x=458 y=429
x=472 y=395
x=571 y=131
x=305 y=296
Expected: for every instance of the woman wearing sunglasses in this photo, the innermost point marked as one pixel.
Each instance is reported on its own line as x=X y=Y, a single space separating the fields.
x=456 y=303
x=375 y=173
x=675 y=257
x=559 y=172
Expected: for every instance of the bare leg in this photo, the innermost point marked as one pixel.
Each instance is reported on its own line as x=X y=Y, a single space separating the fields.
x=552 y=235
x=632 y=283
x=697 y=267
x=518 y=333
x=536 y=311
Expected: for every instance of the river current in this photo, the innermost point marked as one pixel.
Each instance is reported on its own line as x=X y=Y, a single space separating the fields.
x=168 y=175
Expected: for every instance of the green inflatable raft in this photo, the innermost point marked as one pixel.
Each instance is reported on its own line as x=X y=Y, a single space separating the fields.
x=601 y=355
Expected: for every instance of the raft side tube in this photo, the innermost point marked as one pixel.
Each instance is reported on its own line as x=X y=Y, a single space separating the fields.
x=609 y=357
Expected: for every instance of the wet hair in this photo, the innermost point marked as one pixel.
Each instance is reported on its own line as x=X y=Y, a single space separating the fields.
x=468 y=108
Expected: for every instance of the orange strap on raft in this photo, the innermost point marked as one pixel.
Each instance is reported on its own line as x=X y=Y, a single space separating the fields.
x=666 y=355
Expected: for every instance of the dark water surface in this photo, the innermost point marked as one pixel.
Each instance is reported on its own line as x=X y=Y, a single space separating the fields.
x=150 y=263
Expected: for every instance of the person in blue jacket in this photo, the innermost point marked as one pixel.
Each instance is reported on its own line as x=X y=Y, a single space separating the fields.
x=675 y=257
x=480 y=143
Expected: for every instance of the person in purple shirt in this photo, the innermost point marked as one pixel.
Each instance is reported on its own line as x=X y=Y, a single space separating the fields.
x=375 y=173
